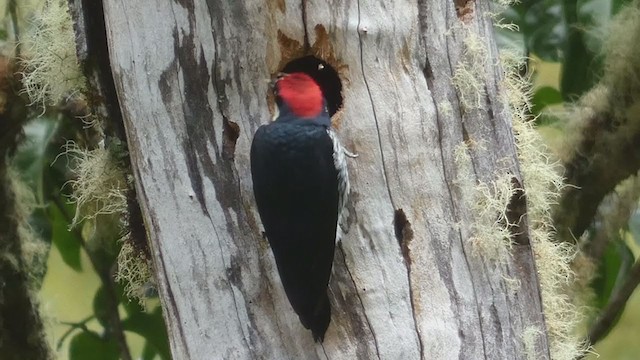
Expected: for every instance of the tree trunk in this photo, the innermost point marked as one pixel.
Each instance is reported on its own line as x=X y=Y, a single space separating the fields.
x=408 y=281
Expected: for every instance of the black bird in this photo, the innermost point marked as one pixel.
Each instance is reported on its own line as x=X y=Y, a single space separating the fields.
x=301 y=184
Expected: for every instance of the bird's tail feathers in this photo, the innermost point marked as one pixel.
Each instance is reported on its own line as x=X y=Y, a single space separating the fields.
x=318 y=319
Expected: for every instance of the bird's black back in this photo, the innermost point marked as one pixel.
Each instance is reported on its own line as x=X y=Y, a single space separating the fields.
x=295 y=183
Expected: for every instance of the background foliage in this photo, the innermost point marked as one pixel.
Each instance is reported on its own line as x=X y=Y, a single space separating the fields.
x=87 y=313
x=47 y=172
x=564 y=39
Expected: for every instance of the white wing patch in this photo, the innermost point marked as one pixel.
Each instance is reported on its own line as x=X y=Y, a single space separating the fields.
x=340 y=162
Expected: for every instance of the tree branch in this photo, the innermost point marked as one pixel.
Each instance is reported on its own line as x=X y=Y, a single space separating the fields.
x=603 y=157
x=107 y=278
x=615 y=306
x=13 y=11
x=114 y=317
x=603 y=132
x=613 y=214
x=72 y=326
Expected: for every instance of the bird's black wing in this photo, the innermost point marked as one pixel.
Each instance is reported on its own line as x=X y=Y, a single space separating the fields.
x=295 y=183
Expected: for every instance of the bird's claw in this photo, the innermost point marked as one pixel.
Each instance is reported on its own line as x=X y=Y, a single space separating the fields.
x=350 y=154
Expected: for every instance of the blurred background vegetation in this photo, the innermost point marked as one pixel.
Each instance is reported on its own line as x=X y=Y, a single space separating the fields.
x=86 y=313
x=45 y=144
x=565 y=42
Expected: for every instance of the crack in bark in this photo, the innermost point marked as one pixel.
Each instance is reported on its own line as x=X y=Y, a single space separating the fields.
x=386 y=177
x=509 y=296
x=93 y=53
x=494 y=316
x=230 y=129
x=516 y=214
x=355 y=286
x=324 y=351
x=455 y=212
x=226 y=123
x=464 y=250
x=307 y=45
x=373 y=109
x=171 y=298
x=245 y=336
x=404 y=235
x=413 y=311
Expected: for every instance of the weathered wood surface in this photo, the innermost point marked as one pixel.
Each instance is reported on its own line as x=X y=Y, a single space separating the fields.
x=191 y=77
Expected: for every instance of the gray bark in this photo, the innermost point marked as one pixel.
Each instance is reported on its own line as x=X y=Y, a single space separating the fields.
x=191 y=80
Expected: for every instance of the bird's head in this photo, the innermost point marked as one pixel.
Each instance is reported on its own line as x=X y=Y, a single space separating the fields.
x=300 y=95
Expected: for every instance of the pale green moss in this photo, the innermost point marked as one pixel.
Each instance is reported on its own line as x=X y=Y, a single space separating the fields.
x=491 y=237
x=468 y=76
x=99 y=191
x=621 y=65
x=530 y=336
x=506 y=3
x=134 y=271
x=51 y=70
x=99 y=185
x=33 y=249
x=542 y=185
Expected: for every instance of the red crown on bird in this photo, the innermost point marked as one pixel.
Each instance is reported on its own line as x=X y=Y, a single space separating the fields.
x=301 y=94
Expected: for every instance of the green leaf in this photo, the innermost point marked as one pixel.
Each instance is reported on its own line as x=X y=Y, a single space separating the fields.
x=545 y=96
x=150 y=326
x=576 y=77
x=587 y=24
x=544 y=30
x=33 y=159
x=148 y=352
x=614 y=267
x=35 y=154
x=89 y=345
x=131 y=306
x=40 y=222
x=100 y=307
x=65 y=240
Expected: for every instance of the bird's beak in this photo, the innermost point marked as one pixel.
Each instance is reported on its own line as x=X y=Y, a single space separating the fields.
x=274 y=81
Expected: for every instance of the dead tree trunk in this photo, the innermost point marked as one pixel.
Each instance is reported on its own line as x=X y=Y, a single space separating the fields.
x=191 y=77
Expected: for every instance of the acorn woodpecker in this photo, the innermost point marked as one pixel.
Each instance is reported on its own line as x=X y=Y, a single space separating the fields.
x=301 y=184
